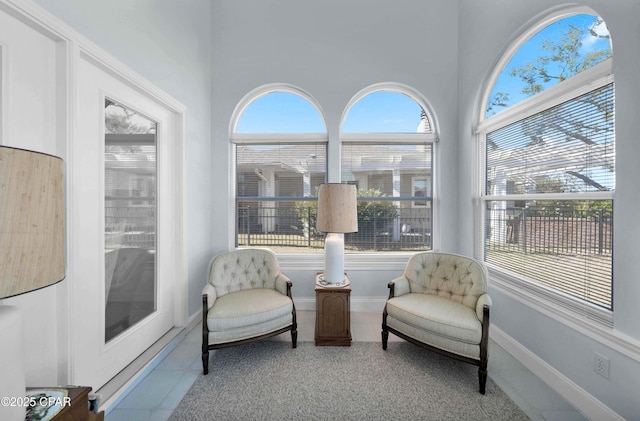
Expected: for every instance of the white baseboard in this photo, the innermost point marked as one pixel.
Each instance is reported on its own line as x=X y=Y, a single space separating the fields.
x=590 y=407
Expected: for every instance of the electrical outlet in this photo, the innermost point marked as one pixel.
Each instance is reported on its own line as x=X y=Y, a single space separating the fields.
x=601 y=365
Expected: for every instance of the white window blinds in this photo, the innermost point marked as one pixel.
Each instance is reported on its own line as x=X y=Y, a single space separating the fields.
x=549 y=188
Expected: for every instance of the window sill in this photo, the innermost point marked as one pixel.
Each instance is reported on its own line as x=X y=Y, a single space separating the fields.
x=352 y=261
x=591 y=321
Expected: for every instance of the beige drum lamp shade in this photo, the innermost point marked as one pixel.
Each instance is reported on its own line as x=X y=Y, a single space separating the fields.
x=337 y=208
x=31 y=221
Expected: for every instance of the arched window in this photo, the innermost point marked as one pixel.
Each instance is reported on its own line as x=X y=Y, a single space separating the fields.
x=280 y=158
x=548 y=159
x=555 y=53
x=386 y=111
x=387 y=141
x=280 y=112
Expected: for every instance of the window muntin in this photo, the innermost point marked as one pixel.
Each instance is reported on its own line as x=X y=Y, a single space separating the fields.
x=549 y=177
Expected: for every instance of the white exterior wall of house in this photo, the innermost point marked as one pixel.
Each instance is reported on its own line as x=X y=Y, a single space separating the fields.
x=208 y=55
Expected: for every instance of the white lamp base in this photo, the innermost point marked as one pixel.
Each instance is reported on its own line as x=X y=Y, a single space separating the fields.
x=13 y=379
x=334 y=258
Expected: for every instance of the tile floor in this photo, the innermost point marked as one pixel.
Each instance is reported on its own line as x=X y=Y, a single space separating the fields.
x=155 y=397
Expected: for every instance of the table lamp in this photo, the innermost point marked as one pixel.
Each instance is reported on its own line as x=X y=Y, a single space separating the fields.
x=31 y=251
x=31 y=221
x=337 y=214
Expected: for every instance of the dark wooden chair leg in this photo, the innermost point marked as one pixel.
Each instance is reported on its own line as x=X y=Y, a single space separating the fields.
x=385 y=332
x=294 y=327
x=205 y=362
x=205 y=336
x=484 y=350
x=482 y=377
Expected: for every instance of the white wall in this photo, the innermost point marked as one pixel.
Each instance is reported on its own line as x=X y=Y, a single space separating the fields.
x=33 y=118
x=169 y=43
x=333 y=49
x=208 y=55
x=486 y=29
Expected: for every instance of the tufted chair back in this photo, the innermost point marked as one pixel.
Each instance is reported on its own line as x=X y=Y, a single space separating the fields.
x=458 y=278
x=243 y=269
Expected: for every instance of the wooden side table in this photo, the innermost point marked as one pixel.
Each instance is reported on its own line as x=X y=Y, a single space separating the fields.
x=333 y=320
x=78 y=409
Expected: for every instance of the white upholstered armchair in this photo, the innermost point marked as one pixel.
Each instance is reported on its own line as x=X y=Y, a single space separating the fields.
x=246 y=299
x=441 y=303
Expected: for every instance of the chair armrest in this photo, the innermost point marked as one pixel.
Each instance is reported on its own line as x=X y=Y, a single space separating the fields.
x=398 y=287
x=210 y=292
x=283 y=285
x=483 y=300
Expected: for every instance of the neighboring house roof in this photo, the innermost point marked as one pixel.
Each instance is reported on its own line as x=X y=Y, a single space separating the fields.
x=365 y=157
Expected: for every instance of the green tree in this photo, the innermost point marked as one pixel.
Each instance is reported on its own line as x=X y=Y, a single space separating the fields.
x=561 y=58
x=372 y=214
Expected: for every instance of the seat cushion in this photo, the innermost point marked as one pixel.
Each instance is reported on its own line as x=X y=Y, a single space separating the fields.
x=248 y=307
x=436 y=315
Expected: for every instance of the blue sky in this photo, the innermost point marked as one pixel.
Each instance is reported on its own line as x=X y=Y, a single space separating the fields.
x=280 y=112
x=283 y=112
x=532 y=49
x=392 y=112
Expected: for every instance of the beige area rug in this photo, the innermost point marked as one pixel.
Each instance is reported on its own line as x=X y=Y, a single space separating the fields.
x=271 y=381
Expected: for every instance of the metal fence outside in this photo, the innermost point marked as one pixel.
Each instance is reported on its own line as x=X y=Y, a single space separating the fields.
x=569 y=250
x=291 y=225
x=130 y=226
x=565 y=232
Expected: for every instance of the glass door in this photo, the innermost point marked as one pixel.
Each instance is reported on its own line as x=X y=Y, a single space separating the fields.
x=125 y=224
x=130 y=217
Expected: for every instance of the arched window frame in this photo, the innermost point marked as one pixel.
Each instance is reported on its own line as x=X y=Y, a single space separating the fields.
x=261 y=91
x=430 y=139
x=395 y=88
x=268 y=138
x=557 y=304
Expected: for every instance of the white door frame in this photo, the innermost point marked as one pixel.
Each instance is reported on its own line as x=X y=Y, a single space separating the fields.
x=57 y=303
x=171 y=159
